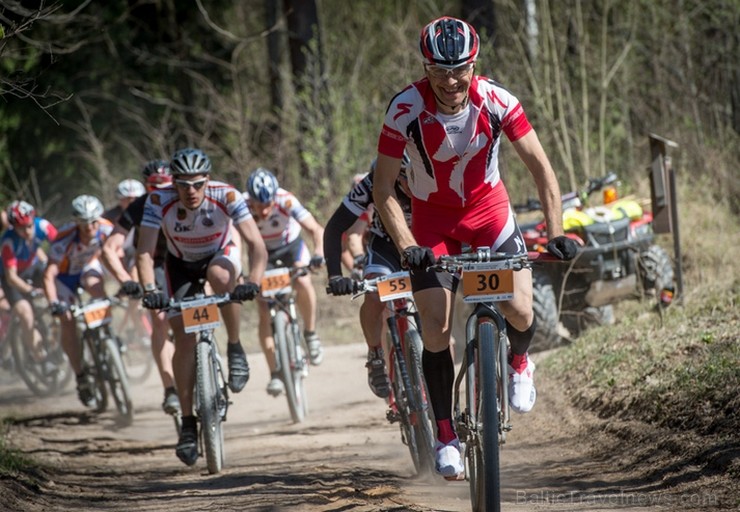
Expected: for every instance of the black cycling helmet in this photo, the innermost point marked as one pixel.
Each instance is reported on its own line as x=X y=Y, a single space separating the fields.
x=262 y=185
x=190 y=161
x=449 y=42
x=155 y=167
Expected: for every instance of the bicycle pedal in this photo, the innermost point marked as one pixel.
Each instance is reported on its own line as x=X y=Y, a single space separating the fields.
x=392 y=417
x=457 y=478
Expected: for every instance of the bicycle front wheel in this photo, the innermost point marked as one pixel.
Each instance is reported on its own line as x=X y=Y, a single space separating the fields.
x=421 y=417
x=484 y=406
x=285 y=343
x=207 y=392
x=118 y=381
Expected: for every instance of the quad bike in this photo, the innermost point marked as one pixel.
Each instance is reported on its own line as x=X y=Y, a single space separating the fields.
x=618 y=260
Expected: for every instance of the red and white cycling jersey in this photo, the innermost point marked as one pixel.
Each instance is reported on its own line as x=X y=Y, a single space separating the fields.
x=193 y=235
x=281 y=226
x=440 y=174
x=70 y=254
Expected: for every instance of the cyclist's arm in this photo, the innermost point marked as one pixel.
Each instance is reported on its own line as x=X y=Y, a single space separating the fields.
x=386 y=202
x=11 y=275
x=111 y=249
x=255 y=249
x=341 y=220
x=310 y=224
x=533 y=155
x=145 y=255
x=50 y=286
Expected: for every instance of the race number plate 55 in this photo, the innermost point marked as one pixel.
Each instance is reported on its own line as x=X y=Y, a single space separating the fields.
x=200 y=316
x=487 y=282
x=276 y=281
x=395 y=286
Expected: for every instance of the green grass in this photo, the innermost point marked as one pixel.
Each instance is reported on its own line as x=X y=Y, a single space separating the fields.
x=12 y=461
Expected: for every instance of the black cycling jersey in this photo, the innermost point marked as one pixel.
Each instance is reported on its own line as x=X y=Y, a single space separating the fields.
x=131 y=218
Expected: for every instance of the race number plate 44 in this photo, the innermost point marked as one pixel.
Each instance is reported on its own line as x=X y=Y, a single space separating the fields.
x=276 y=281
x=199 y=315
x=394 y=286
x=487 y=282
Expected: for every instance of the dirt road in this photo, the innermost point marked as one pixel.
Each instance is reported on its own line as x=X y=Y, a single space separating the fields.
x=344 y=457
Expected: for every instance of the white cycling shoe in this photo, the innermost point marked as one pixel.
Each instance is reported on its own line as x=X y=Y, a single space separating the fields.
x=522 y=393
x=448 y=460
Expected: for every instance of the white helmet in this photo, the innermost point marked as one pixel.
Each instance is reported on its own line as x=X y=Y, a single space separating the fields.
x=87 y=208
x=130 y=188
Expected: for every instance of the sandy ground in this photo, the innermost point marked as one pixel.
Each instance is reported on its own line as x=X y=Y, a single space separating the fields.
x=344 y=457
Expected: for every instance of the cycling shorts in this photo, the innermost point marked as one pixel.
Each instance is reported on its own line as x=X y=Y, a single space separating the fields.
x=186 y=278
x=382 y=257
x=289 y=255
x=67 y=284
x=34 y=274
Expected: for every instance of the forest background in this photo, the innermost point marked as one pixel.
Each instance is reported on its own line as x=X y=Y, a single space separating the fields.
x=89 y=91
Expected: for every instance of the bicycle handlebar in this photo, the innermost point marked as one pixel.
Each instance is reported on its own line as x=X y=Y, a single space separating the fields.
x=199 y=299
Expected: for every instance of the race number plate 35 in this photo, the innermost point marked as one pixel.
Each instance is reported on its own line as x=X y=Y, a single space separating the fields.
x=97 y=315
x=487 y=282
x=395 y=286
x=276 y=281
x=200 y=316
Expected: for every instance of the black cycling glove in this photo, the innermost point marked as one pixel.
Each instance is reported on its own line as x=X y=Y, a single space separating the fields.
x=246 y=291
x=562 y=247
x=339 y=285
x=154 y=300
x=316 y=261
x=58 y=308
x=417 y=258
x=132 y=289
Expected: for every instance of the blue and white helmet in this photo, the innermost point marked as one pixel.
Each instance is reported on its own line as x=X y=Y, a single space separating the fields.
x=190 y=161
x=262 y=185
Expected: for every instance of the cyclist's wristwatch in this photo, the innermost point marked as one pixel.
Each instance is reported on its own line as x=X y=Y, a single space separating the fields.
x=151 y=287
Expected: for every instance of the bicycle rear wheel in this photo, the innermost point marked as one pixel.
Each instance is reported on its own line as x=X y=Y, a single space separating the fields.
x=421 y=417
x=483 y=406
x=95 y=365
x=207 y=392
x=118 y=381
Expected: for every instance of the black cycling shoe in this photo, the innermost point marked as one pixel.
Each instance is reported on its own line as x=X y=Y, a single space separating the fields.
x=85 y=390
x=238 y=370
x=187 y=444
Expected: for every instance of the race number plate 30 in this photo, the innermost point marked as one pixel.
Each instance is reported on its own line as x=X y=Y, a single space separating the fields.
x=276 y=281
x=97 y=315
x=200 y=315
x=487 y=282
x=394 y=286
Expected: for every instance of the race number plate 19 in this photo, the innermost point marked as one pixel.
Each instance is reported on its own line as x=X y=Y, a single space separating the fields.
x=276 y=281
x=395 y=286
x=487 y=282
x=200 y=315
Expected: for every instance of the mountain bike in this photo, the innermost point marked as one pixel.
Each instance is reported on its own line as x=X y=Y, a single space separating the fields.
x=408 y=403
x=101 y=355
x=47 y=372
x=200 y=316
x=290 y=355
x=136 y=348
x=484 y=418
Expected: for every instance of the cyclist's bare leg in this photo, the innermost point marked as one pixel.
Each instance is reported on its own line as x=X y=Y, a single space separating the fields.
x=162 y=348
x=183 y=362
x=267 y=341
x=372 y=320
x=70 y=343
x=435 y=306
x=306 y=302
x=24 y=312
x=518 y=311
x=222 y=277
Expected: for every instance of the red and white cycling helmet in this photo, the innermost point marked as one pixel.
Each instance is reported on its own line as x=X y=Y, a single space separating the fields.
x=449 y=42
x=157 y=173
x=20 y=213
x=130 y=188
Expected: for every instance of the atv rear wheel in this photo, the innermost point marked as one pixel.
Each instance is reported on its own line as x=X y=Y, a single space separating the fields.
x=656 y=270
x=545 y=307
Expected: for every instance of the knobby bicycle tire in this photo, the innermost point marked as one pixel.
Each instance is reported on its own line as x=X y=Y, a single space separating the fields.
x=485 y=487
x=46 y=377
x=283 y=336
x=118 y=381
x=96 y=367
x=207 y=391
x=298 y=365
x=422 y=417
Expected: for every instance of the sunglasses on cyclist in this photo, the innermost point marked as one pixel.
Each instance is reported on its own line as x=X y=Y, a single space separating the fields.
x=196 y=184
x=456 y=73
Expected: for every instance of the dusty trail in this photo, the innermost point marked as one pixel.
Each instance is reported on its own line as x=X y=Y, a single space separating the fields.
x=344 y=457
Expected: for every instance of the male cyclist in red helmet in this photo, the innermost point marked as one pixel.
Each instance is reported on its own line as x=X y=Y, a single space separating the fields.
x=23 y=262
x=156 y=174
x=451 y=122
